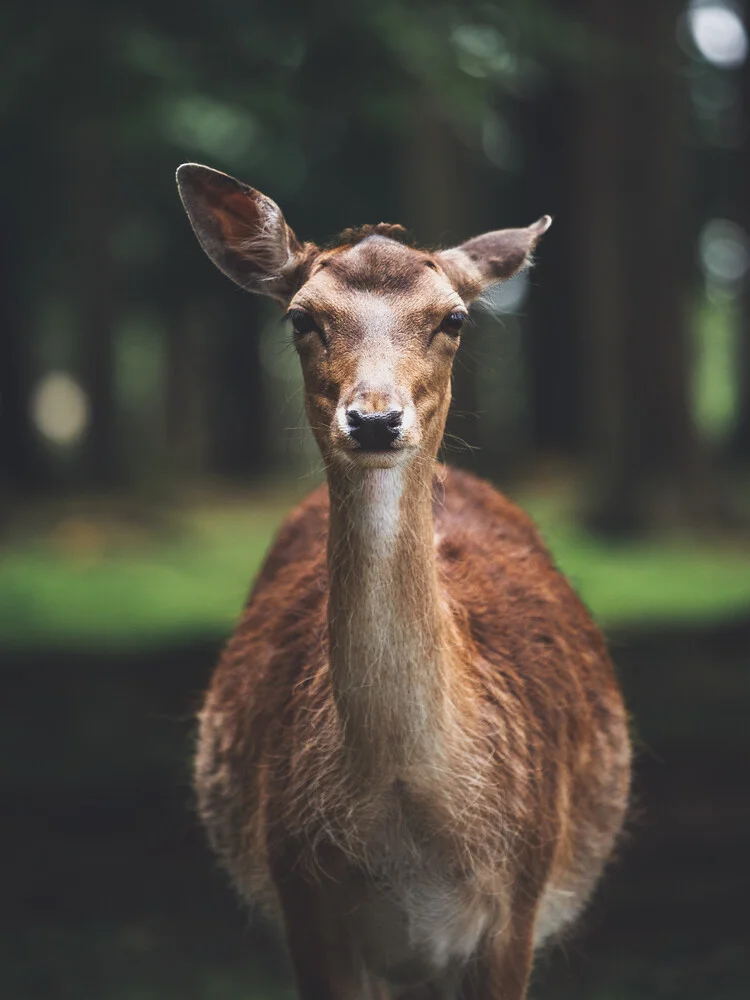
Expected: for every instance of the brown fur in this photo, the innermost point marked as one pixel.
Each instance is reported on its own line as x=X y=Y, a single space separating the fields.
x=413 y=754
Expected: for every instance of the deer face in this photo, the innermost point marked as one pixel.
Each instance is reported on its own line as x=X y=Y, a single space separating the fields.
x=377 y=326
x=376 y=323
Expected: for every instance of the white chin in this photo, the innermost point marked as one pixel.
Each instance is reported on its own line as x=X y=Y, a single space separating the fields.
x=376 y=459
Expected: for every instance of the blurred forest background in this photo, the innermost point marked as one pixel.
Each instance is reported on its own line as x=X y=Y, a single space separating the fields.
x=152 y=432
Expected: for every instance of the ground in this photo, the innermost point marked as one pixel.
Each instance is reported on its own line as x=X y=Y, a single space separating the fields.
x=110 y=890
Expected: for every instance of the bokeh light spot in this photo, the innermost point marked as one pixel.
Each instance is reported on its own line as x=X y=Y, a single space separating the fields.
x=724 y=253
x=200 y=123
x=505 y=296
x=60 y=408
x=718 y=33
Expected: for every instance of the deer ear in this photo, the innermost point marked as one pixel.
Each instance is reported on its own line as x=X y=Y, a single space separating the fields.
x=243 y=232
x=483 y=260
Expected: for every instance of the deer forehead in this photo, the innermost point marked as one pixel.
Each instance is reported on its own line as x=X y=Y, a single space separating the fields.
x=377 y=288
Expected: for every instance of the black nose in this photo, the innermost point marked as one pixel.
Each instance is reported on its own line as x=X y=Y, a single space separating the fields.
x=374 y=431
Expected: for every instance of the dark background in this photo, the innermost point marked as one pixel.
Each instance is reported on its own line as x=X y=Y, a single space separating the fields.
x=152 y=434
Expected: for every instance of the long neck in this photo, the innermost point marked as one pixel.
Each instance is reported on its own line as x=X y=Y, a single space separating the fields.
x=390 y=637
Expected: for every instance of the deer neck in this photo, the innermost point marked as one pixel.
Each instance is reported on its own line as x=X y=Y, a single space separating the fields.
x=390 y=637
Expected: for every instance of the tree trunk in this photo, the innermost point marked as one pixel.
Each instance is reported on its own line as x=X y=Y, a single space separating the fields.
x=238 y=425
x=17 y=466
x=551 y=337
x=185 y=389
x=93 y=208
x=648 y=465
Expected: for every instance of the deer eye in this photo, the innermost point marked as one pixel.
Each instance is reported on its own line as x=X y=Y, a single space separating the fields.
x=453 y=322
x=302 y=323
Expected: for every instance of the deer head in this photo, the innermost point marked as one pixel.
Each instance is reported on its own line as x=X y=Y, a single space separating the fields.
x=376 y=323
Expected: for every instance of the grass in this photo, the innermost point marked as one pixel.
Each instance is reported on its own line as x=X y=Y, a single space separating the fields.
x=94 y=582
x=676 y=580
x=110 y=585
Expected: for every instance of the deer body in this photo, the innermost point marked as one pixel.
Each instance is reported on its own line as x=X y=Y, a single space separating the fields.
x=414 y=753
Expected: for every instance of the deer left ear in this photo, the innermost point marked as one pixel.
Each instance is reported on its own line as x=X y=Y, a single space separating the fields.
x=483 y=260
x=243 y=232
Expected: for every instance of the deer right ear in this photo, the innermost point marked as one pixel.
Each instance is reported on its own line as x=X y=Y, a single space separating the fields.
x=243 y=232
x=480 y=262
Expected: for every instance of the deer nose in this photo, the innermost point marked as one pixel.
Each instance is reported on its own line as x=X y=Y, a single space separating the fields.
x=374 y=431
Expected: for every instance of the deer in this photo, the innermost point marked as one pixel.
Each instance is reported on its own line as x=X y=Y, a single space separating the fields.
x=413 y=757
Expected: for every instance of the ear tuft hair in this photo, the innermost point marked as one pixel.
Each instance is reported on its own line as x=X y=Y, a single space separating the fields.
x=390 y=230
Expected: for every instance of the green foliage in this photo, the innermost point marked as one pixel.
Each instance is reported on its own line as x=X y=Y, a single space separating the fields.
x=716 y=387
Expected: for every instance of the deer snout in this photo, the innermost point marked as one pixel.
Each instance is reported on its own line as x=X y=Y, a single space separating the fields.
x=374 y=431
